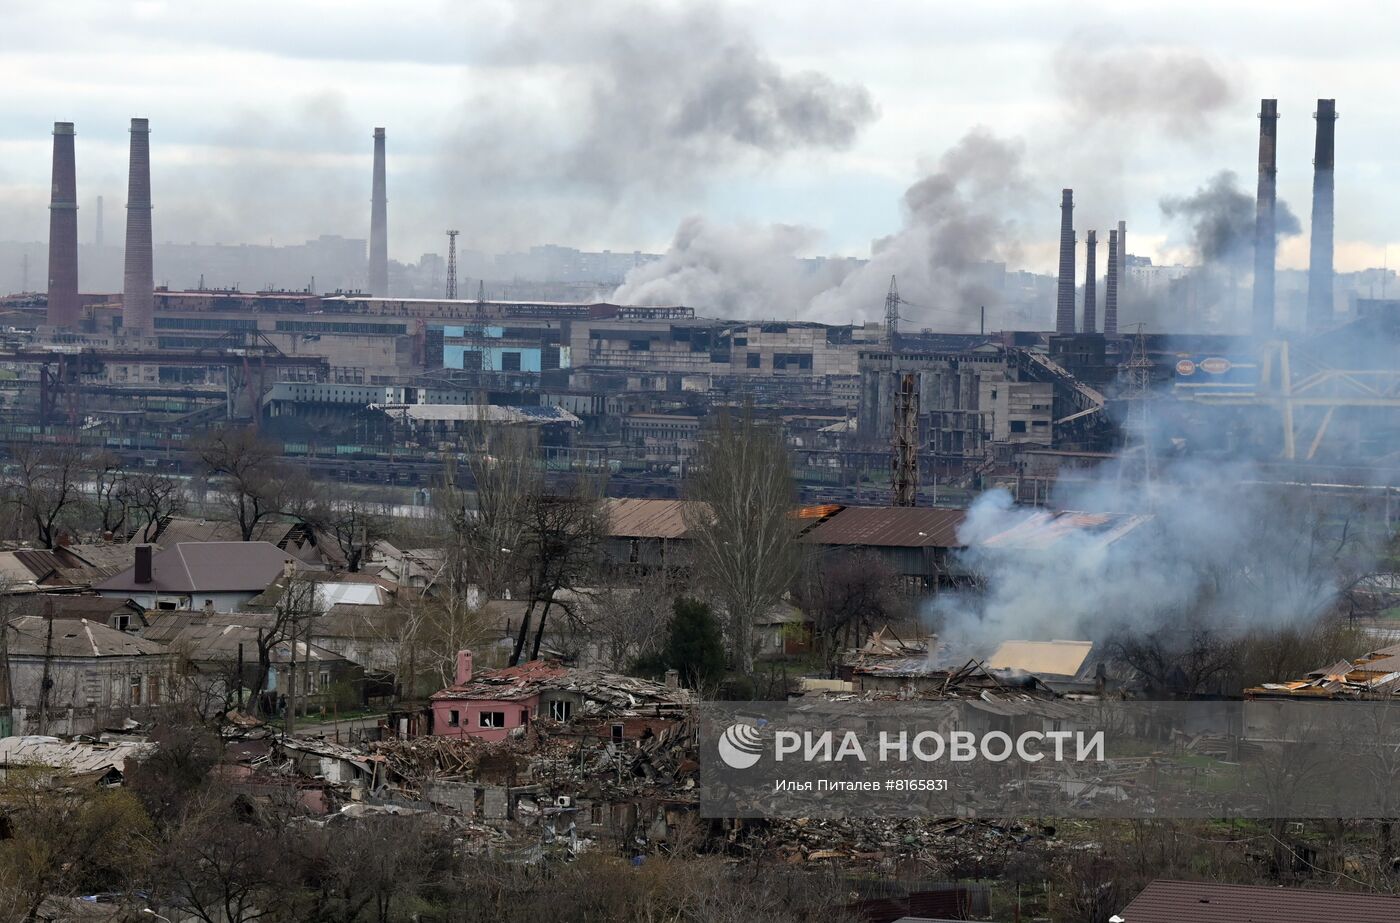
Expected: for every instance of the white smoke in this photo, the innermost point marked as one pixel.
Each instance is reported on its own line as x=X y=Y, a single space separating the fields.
x=1207 y=541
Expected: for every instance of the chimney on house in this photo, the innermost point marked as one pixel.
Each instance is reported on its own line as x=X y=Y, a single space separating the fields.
x=144 y=570
x=673 y=679
x=464 y=668
x=1091 y=276
x=377 y=279
x=64 y=306
x=1264 y=219
x=1064 y=301
x=138 y=288
x=1320 y=296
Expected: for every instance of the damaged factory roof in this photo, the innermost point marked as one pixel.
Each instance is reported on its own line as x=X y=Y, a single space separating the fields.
x=616 y=693
x=890 y=527
x=1042 y=530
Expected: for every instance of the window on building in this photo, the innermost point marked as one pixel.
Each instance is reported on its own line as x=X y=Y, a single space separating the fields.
x=325 y=680
x=492 y=719
x=134 y=694
x=561 y=709
x=454 y=718
x=153 y=689
x=510 y=361
x=754 y=360
x=524 y=717
x=617 y=733
x=121 y=622
x=1018 y=426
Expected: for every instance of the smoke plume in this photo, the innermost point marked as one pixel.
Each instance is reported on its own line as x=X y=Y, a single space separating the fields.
x=733 y=272
x=1210 y=543
x=653 y=102
x=1221 y=217
x=956 y=218
x=1176 y=91
x=1219 y=221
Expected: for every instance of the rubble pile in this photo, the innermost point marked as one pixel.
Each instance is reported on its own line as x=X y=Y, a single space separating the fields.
x=951 y=846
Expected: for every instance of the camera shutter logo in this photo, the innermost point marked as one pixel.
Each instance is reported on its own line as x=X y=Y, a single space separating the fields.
x=740 y=746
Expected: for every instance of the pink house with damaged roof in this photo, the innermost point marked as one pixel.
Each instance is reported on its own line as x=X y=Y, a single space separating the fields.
x=492 y=705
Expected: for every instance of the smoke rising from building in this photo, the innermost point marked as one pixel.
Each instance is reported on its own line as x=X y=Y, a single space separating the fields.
x=1217 y=546
x=738 y=272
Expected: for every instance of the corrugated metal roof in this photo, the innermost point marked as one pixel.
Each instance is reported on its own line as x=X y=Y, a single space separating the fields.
x=1203 y=902
x=73 y=757
x=891 y=527
x=1043 y=529
x=636 y=518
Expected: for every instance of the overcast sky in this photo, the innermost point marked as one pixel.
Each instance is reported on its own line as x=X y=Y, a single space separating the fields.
x=606 y=124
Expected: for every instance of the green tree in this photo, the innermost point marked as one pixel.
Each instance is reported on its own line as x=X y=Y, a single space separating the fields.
x=696 y=645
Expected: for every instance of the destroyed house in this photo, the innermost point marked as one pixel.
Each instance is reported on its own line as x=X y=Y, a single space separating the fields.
x=491 y=705
x=1375 y=675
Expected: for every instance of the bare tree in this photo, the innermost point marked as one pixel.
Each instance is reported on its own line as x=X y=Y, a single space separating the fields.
x=152 y=498
x=251 y=478
x=48 y=487
x=845 y=597
x=740 y=526
x=353 y=522
x=110 y=495
x=629 y=622
x=562 y=538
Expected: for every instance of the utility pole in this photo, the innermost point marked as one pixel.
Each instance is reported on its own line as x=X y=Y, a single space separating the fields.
x=1137 y=433
x=46 y=683
x=904 y=443
x=892 y=315
x=451 y=265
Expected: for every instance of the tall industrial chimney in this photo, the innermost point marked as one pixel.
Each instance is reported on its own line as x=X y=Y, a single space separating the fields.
x=1110 y=286
x=97 y=233
x=1091 y=276
x=1110 y=318
x=1265 y=239
x=64 y=308
x=378 y=276
x=1064 y=301
x=1320 y=256
x=138 y=289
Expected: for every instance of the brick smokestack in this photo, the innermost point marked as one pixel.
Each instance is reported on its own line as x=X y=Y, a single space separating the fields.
x=1110 y=286
x=1064 y=301
x=64 y=308
x=378 y=276
x=1320 y=256
x=1091 y=276
x=138 y=289
x=1110 y=320
x=1265 y=240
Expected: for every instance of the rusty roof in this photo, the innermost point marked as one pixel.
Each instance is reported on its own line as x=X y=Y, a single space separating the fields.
x=1043 y=529
x=891 y=527
x=1203 y=902
x=639 y=518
